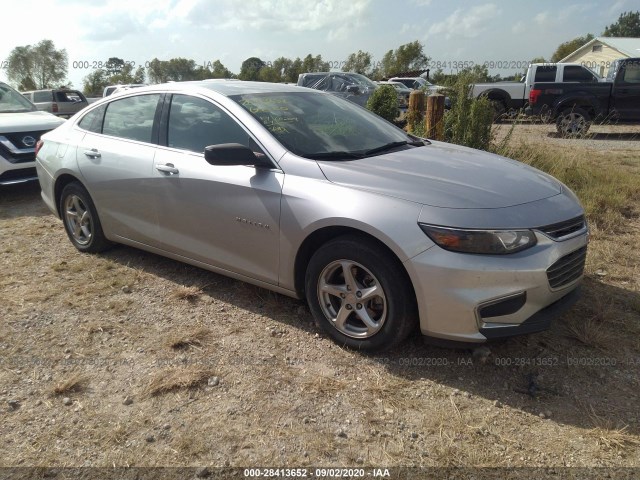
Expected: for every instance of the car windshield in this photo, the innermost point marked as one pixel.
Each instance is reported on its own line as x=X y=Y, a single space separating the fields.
x=13 y=102
x=321 y=126
x=362 y=80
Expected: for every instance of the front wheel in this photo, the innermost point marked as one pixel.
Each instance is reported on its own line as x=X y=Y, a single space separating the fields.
x=573 y=122
x=359 y=294
x=81 y=220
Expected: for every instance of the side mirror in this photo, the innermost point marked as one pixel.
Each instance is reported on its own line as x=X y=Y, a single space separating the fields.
x=353 y=89
x=234 y=154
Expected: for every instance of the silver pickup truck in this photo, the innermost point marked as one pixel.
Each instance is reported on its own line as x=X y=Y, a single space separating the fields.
x=509 y=97
x=21 y=126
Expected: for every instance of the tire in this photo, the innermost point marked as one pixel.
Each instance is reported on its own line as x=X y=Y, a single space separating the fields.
x=499 y=110
x=341 y=306
x=573 y=122
x=81 y=221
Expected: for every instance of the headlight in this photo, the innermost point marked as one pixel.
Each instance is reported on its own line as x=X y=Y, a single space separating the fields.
x=493 y=242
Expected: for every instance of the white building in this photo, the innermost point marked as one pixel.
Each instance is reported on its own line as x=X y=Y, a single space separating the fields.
x=599 y=53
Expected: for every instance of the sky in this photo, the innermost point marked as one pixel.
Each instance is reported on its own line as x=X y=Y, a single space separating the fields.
x=504 y=32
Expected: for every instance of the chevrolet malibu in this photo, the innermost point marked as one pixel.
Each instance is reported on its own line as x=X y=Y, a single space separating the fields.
x=309 y=195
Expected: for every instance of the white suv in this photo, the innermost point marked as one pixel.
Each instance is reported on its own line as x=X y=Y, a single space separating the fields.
x=21 y=126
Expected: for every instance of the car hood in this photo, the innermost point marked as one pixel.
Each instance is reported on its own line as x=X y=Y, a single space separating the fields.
x=445 y=175
x=28 y=122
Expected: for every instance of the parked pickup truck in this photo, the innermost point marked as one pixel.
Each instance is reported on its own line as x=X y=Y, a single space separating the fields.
x=574 y=106
x=512 y=96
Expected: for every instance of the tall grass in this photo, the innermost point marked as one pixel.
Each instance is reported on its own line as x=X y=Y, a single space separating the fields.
x=608 y=186
x=609 y=193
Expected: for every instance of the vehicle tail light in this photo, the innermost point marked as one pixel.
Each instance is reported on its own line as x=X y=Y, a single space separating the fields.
x=533 y=96
x=54 y=107
x=39 y=144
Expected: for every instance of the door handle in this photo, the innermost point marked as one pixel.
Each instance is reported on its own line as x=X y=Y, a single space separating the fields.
x=93 y=153
x=167 y=168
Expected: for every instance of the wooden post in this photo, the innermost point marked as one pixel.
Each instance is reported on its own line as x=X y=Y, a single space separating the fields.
x=415 y=112
x=434 y=119
x=416 y=101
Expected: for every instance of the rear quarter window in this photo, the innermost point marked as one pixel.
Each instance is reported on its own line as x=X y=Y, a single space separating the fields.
x=546 y=73
x=131 y=117
x=92 y=121
x=43 y=96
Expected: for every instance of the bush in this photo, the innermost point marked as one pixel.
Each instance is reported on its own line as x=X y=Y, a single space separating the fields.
x=470 y=120
x=384 y=102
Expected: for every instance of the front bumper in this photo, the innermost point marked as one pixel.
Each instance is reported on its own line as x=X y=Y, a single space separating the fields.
x=16 y=168
x=472 y=298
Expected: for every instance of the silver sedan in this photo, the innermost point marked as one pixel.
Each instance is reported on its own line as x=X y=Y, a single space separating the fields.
x=309 y=195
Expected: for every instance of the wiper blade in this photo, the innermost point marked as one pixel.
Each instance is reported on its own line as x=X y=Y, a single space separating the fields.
x=392 y=145
x=332 y=155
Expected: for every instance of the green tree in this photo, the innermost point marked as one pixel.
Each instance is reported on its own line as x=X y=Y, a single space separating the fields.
x=566 y=48
x=314 y=64
x=269 y=74
x=359 y=62
x=93 y=84
x=126 y=75
x=176 y=69
x=628 y=25
x=250 y=69
x=283 y=66
x=293 y=72
x=37 y=66
x=218 y=70
x=405 y=58
x=114 y=66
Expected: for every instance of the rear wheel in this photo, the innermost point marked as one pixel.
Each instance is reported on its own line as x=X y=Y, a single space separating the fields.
x=573 y=122
x=359 y=294
x=81 y=220
x=499 y=109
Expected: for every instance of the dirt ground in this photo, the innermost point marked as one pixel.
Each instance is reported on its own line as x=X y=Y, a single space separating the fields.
x=130 y=359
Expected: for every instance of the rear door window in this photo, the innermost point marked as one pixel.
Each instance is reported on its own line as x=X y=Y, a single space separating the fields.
x=576 y=73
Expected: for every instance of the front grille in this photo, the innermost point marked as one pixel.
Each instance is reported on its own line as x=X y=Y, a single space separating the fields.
x=562 y=229
x=13 y=157
x=16 y=138
x=568 y=269
x=13 y=148
x=17 y=175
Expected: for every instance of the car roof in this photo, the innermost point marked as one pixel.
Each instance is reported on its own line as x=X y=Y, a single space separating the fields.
x=224 y=87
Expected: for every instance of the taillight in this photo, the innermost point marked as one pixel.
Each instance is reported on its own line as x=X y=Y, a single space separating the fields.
x=39 y=144
x=54 y=107
x=533 y=96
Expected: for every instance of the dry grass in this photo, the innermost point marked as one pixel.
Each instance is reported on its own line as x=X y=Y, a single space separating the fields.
x=176 y=378
x=190 y=294
x=609 y=195
x=282 y=398
x=74 y=384
x=195 y=338
x=610 y=436
x=322 y=385
x=591 y=332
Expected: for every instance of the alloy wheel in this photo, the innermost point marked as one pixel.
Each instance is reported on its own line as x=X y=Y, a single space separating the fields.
x=352 y=299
